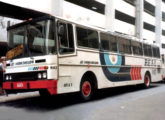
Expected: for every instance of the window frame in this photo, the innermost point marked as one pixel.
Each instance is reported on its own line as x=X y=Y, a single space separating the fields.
x=139 y=49
x=110 y=35
x=58 y=41
x=130 y=48
x=148 y=50
x=87 y=47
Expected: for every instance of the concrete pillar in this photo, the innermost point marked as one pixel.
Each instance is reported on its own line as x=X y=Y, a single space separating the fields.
x=158 y=30
x=110 y=15
x=139 y=19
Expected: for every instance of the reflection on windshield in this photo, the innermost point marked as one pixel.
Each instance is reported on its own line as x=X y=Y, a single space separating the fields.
x=37 y=39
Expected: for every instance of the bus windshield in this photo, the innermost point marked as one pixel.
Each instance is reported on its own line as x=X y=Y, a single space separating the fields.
x=36 y=38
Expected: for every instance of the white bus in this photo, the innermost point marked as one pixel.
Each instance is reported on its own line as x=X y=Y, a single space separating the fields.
x=55 y=56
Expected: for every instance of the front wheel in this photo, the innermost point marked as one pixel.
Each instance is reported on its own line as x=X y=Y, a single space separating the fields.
x=86 y=90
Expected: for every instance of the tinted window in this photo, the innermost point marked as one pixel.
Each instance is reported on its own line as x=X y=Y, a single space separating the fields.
x=147 y=50
x=87 y=38
x=124 y=45
x=66 y=41
x=154 y=50
x=157 y=52
x=163 y=45
x=163 y=16
x=163 y=59
x=108 y=42
x=137 y=48
x=3 y=49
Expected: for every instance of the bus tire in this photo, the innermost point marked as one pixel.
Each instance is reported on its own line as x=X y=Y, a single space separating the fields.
x=147 y=80
x=86 y=89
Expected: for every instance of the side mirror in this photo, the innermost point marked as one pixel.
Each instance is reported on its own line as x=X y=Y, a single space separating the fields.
x=61 y=30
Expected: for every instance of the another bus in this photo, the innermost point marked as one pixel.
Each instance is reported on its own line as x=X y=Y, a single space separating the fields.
x=55 y=56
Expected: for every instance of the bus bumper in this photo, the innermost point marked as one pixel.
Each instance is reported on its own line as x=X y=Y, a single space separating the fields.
x=50 y=85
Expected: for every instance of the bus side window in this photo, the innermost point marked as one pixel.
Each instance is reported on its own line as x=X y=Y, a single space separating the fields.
x=158 y=52
x=87 y=38
x=108 y=42
x=163 y=58
x=137 y=48
x=147 y=50
x=65 y=37
x=124 y=45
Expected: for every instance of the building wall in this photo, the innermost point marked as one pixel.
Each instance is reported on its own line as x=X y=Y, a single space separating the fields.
x=85 y=15
x=163 y=27
x=3 y=27
x=3 y=33
x=144 y=19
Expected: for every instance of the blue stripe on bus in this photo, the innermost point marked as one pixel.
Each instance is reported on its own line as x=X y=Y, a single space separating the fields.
x=108 y=62
x=123 y=73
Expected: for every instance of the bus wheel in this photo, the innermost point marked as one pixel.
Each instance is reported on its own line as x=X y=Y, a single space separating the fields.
x=86 y=90
x=147 y=81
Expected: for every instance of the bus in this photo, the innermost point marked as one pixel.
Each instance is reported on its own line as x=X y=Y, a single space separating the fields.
x=55 y=56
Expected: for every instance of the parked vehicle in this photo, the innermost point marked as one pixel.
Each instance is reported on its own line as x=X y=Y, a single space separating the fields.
x=56 y=56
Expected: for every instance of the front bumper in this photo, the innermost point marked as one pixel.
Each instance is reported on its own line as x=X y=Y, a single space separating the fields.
x=50 y=85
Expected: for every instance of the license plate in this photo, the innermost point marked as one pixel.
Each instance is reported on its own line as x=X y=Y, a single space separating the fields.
x=20 y=85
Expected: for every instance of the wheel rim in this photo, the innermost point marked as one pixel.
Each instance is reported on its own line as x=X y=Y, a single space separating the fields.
x=86 y=88
x=147 y=81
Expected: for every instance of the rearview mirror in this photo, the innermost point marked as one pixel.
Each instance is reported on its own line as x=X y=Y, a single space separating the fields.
x=61 y=30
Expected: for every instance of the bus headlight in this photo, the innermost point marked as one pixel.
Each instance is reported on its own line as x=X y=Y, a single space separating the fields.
x=10 y=77
x=7 y=77
x=39 y=75
x=44 y=75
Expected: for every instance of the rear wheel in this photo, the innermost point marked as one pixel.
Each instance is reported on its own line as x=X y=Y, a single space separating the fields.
x=147 y=81
x=86 y=89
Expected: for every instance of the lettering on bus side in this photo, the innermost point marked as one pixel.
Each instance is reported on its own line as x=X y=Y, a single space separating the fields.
x=68 y=85
x=150 y=62
x=89 y=62
x=53 y=67
x=22 y=63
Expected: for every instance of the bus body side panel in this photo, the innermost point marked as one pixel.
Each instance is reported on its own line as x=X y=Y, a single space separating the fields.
x=72 y=69
x=157 y=71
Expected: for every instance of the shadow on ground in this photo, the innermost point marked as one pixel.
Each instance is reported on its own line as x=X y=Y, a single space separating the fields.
x=45 y=104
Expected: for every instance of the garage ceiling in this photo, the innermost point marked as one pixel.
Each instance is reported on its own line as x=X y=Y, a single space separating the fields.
x=12 y=11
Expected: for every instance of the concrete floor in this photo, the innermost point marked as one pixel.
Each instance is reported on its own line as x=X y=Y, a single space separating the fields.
x=124 y=103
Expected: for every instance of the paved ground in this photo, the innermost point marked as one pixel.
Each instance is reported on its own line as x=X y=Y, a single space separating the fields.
x=125 y=103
